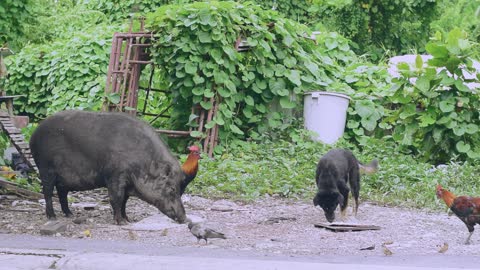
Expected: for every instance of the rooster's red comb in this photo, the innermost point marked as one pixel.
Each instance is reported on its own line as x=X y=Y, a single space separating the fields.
x=194 y=148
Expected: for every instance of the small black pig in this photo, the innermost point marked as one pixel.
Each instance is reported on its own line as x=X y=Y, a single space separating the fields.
x=79 y=150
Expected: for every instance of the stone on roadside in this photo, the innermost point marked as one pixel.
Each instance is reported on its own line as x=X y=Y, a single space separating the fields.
x=53 y=227
x=224 y=206
x=80 y=220
x=85 y=206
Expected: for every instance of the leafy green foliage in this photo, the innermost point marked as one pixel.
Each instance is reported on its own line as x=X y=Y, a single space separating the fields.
x=463 y=14
x=437 y=116
x=259 y=87
x=14 y=16
x=61 y=75
x=119 y=10
x=379 y=26
x=200 y=61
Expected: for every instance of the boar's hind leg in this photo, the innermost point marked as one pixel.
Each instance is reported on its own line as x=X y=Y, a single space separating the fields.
x=118 y=197
x=62 y=197
x=48 y=183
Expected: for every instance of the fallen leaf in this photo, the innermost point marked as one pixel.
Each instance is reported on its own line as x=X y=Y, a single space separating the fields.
x=164 y=232
x=386 y=251
x=444 y=248
x=87 y=233
x=132 y=235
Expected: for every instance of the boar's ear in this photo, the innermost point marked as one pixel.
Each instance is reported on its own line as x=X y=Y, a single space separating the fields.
x=340 y=199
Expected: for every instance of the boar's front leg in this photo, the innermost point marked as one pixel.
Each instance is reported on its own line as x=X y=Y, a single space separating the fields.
x=116 y=186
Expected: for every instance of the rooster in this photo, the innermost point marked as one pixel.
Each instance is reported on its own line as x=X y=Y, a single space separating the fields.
x=190 y=167
x=466 y=208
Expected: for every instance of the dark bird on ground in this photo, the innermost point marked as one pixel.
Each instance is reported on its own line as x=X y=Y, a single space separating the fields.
x=202 y=232
x=466 y=208
x=190 y=167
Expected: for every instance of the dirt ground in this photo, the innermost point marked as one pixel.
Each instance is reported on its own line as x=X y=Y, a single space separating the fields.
x=270 y=225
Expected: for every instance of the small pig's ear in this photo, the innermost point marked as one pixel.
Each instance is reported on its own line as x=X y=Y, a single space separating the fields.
x=340 y=199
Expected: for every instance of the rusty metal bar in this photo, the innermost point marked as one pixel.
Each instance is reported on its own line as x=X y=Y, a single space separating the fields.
x=125 y=66
x=140 y=62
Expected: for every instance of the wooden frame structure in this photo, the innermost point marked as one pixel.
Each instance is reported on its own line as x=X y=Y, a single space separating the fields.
x=129 y=55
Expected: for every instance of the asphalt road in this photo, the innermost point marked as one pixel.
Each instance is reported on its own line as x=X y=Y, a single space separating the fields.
x=35 y=252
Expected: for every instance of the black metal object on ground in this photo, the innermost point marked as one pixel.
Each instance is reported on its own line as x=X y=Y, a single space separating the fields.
x=336 y=227
x=17 y=139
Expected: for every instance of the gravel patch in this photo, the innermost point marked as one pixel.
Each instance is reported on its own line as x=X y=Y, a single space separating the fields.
x=268 y=225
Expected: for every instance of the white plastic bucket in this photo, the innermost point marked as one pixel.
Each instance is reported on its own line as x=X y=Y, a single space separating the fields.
x=325 y=113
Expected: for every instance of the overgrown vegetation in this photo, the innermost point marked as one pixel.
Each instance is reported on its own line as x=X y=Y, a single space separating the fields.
x=67 y=73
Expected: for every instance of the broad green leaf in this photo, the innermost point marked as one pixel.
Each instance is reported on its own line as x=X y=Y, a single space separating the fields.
x=426 y=120
x=235 y=129
x=447 y=105
x=190 y=68
x=438 y=51
x=423 y=84
x=192 y=117
x=294 y=77
x=249 y=101
x=204 y=37
x=210 y=125
x=462 y=147
x=459 y=130
x=207 y=105
x=286 y=103
x=471 y=128
x=230 y=86
x=196 y=134
x=364 y=108
x=198 y=91
x=277 y=85
x=113 y=98
x=224 y=92
x=219 y=119
x=261 y=108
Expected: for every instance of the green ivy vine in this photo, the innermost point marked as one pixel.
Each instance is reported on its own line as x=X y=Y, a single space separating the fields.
x=195 y=43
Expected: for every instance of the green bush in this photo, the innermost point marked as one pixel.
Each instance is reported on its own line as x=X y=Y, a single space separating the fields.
x=437 y=116
x=64 y=74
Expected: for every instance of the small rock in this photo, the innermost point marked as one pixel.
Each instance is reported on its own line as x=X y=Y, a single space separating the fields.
x=86 y=206
x=53 y=227
x=224 y=206
x=80 y=220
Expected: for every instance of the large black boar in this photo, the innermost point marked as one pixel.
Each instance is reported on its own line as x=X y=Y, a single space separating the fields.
x=78 y=150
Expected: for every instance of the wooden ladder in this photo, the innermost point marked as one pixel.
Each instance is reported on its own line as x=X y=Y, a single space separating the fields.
x=17 y=139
